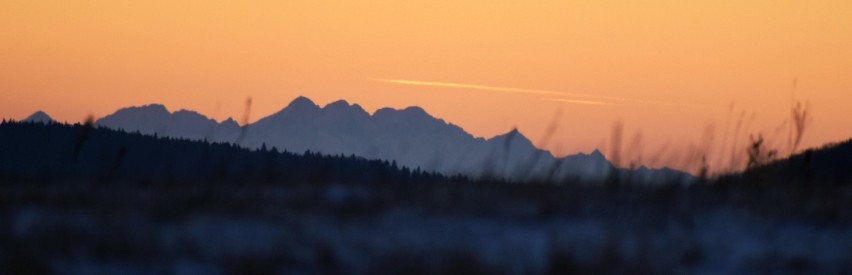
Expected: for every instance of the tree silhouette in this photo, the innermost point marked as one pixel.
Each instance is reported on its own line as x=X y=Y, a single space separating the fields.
x=57 y=152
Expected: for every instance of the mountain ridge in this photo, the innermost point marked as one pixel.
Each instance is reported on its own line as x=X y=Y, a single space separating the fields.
x=409 y=136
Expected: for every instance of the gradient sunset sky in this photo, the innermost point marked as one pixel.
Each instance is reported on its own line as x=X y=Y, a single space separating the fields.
x=675 y=73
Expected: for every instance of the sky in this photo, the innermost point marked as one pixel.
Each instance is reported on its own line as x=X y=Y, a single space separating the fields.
x=662 y=77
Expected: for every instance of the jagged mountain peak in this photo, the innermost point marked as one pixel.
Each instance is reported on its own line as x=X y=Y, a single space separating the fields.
x=229 y=120
x=513 y=138
x=183 y=123
x=597 y=154
x=594 y=156
x=150 y=107
x=342 y=106
x=513 y=134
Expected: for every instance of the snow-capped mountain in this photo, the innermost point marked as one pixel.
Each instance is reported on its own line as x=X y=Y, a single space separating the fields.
x=409 y=136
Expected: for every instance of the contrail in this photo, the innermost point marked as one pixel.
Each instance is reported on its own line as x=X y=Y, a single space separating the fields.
x=586 y=102
x=467 y=86
x=522 y=91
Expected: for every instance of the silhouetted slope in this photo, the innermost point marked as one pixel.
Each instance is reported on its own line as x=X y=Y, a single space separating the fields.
x=829 y=165
x=56 y=152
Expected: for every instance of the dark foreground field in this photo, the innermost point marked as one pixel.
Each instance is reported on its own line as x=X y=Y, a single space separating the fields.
x=77 y=199
x=79 y=228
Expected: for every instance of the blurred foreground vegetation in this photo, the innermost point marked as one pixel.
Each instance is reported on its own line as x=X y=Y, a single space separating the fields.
x=81 y=200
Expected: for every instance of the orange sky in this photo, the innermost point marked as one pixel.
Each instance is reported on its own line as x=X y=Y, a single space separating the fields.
x=668 y=70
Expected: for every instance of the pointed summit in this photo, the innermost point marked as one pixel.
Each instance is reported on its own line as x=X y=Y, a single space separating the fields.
x=300 y=105
x=514 y=140
x=39 y=117
x=513 y=134
x=515 y=137
x=302 y=102
x=230 y=121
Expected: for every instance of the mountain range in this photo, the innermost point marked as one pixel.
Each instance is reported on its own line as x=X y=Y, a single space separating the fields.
x=410 y=137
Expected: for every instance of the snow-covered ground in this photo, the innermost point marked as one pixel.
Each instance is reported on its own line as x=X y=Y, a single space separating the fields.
x=81 y=229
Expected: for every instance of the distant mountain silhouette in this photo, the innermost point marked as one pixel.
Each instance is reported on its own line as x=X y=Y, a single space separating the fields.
x=409 y=136
x=156 y=119
x=39 y=117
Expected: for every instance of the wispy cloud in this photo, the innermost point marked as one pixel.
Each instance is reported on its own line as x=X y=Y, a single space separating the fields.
x=589 y=99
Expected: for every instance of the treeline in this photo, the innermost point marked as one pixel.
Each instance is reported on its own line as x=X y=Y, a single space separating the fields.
x=37 y=152
x=47 y=153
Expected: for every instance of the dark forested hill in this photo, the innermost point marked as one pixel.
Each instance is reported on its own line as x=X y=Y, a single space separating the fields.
x=49 y=152
x=830 y=165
